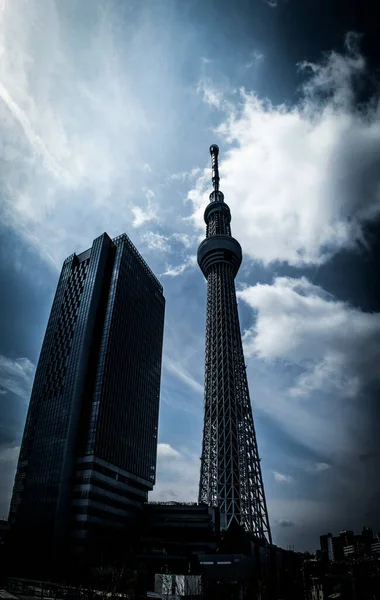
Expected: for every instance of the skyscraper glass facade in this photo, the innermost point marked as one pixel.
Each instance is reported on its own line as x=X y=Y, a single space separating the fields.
x=88 y=454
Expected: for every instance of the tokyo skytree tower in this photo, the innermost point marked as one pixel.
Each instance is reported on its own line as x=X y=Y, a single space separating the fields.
x=230 y=465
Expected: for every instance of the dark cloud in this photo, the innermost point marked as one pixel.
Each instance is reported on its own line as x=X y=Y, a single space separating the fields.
x=285 y=523
x=369 y=456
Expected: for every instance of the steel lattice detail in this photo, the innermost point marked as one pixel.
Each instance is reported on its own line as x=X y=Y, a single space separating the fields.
x=230 y=465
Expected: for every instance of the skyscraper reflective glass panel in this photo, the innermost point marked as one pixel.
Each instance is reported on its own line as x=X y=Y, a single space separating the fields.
x=88 y=455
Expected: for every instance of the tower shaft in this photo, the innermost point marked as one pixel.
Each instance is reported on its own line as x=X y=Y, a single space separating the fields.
x=230 y=465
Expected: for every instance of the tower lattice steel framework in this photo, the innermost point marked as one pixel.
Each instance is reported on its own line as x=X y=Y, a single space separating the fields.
x=230 y=465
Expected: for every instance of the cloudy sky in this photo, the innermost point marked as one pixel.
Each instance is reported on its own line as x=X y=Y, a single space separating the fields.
x=107 y=111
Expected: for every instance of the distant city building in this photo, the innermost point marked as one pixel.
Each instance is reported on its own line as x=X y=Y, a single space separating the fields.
x=347 y=537
x=230 y=476
x=178 y=538
x=327 y=545
x=88 y=454
x=350 y=572
x=346 y=544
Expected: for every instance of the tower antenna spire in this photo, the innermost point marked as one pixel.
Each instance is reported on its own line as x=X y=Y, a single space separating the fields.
x=214 y=151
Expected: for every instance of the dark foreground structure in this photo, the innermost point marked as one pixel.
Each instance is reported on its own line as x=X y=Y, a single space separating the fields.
x=347 y=567
x=186 y=540
x=230 y=465
x=88 y=454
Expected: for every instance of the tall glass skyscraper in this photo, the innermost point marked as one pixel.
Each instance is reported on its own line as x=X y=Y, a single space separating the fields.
x=88 y=454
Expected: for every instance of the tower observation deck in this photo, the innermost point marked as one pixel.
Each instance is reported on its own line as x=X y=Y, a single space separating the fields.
x=230 y=465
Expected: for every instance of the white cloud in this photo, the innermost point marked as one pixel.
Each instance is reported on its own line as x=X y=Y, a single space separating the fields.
x=183 y=238
x=177 y=475
x=10 y=455
x=144 y=215
x=140 y=216
x=282 y=478
x=165 y=450
x=318 y=467
x=285 y=523
x=172 y=271
x=186 y=175
x=161 y=243
x=210 y=93
x=156 y=241
x=149 y=194
x=77 y=128
x=31 y=91
x=181 y=373
x=301 y=181
x=175 y=271
x=16 y=376
x=256 y=59
x=335 y=345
